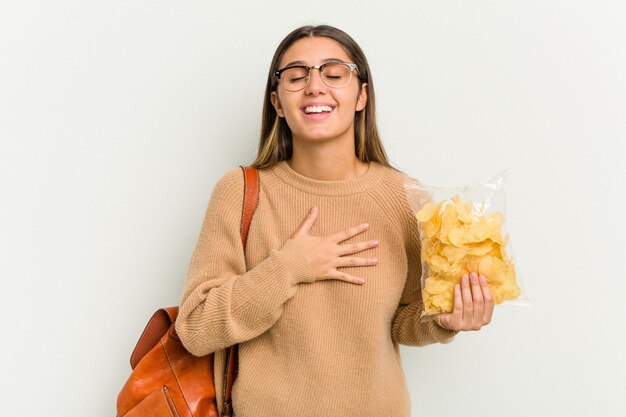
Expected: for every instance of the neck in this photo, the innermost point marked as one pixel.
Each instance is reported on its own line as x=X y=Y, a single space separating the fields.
x=327 y=164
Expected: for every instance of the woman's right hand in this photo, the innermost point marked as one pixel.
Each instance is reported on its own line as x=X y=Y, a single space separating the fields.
x=326 y=254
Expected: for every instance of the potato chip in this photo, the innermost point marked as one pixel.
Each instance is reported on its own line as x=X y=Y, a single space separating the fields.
x=449 y=221
x=440 y=265
x=430 y=247
x=459 y=238
x=493 y=268
x=431 y=228
x=464 y=210
x=454 y=253
x=438 y=286
x=426 y=213
x=437 y=264
x=482 y=248
x=471 y=263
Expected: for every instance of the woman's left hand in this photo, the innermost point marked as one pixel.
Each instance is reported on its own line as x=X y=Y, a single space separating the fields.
x=473 y=306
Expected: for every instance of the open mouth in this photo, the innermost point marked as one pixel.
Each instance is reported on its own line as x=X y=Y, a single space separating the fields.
x=317 y=109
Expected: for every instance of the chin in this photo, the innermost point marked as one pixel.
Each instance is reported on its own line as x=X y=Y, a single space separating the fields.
x=319 y=135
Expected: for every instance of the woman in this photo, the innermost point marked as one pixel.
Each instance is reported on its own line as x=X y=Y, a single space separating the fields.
x=330 y=281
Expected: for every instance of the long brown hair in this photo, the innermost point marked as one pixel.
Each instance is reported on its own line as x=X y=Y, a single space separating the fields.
x=275 y=141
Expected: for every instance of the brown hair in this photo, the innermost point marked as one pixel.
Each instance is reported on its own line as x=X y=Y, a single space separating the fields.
x=275 y=142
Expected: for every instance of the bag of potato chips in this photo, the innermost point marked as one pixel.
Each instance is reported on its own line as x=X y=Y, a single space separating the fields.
x=462 y=230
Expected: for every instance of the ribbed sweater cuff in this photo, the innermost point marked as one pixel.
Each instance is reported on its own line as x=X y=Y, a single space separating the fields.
x=294 y=261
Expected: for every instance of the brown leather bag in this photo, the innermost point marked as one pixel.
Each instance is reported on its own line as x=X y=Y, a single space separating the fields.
x=166 y=379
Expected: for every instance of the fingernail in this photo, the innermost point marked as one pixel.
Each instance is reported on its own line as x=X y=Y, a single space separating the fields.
x=365 y=225
x=375 y=242
x=374 y=260
x=483 y=280
x=465 y=279
x=313 y=210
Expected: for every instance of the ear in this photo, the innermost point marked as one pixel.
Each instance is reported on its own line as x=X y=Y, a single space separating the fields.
x=276 y=103
x=362 y=99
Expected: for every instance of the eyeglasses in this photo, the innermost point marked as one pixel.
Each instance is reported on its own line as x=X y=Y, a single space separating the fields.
x=334 y=74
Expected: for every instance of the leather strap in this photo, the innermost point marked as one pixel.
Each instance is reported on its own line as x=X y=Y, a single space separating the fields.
x=250 y=202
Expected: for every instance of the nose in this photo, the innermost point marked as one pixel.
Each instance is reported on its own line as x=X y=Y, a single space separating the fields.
x=315 y=85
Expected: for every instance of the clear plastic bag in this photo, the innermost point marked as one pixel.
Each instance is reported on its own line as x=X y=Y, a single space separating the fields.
x=463 y=230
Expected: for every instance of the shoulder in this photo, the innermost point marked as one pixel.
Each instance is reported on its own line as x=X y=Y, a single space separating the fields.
x=395 y=176
x=227 y=194
x=392 y=198
x=416 y=192
x=406 y=195
x=402 y=188
x=229 y=186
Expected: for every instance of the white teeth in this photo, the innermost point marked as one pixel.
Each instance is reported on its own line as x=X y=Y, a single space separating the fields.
x=317 y=109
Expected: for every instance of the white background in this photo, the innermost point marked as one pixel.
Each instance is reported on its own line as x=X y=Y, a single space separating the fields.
x=118 y=117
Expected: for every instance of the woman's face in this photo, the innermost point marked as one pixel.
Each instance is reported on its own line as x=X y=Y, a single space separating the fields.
x=295 y=106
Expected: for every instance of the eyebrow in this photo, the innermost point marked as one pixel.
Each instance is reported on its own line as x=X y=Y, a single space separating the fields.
x=324 y=61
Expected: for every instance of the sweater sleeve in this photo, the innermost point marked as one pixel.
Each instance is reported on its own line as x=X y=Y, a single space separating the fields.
x=407 y=327
x=222 y=303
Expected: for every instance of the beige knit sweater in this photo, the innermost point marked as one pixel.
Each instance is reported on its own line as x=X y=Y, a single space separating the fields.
x=325 y=348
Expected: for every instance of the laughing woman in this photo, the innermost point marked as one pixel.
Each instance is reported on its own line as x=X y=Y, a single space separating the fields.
x=329 y=284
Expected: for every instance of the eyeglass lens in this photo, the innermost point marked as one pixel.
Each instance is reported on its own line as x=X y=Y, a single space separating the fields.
x=334 y=75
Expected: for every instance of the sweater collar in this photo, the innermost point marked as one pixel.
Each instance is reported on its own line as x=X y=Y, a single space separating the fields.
x=370 y=179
